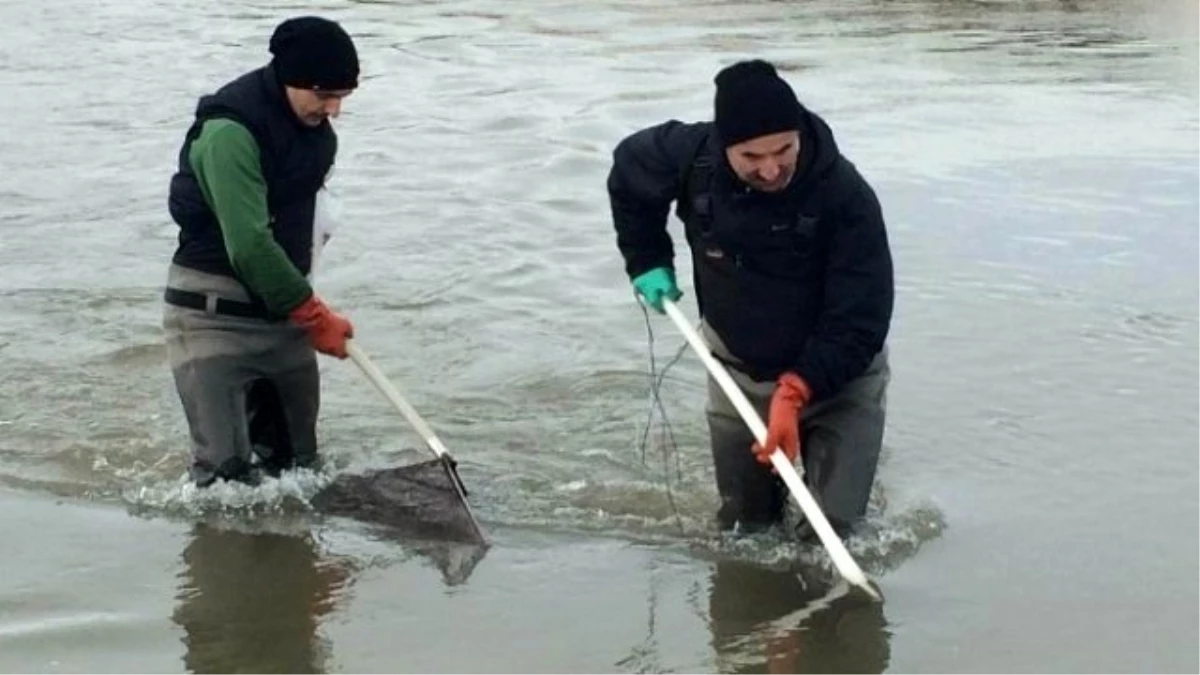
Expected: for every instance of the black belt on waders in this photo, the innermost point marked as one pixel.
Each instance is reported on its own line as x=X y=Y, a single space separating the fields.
x=209 y=302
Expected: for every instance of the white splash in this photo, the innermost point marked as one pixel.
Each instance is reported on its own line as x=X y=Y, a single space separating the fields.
x=290 y=492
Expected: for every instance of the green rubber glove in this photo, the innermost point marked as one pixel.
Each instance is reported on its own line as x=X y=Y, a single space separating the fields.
x=657 y=284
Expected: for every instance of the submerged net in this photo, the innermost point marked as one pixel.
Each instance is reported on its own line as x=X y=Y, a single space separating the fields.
x=418 y=500
x=423 y=503
x=420 y=504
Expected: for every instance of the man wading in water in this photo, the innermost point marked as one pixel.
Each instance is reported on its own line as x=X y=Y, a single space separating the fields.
x=241 y=318
x=793 y=276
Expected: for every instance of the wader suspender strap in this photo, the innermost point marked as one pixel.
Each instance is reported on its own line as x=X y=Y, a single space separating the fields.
x=695 y=191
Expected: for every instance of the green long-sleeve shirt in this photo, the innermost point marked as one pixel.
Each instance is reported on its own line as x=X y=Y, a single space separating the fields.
x=225 y=158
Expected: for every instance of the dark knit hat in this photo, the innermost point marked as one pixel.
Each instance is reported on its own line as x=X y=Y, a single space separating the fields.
x=752 y=101
x=314 y=53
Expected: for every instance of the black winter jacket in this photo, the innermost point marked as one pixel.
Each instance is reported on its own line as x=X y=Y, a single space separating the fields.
x=799 y=280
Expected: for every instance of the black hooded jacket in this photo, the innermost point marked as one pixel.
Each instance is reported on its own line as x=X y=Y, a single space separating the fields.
x=799 y=280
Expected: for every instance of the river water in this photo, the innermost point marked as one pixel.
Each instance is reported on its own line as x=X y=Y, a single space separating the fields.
x=1038 y=496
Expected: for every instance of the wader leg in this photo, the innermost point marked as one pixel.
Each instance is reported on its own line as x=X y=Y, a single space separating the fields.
x=233 y=412
x=842 y=440
x=300 y=399
x=752 y=498
x=213 y=393
x=269 y=438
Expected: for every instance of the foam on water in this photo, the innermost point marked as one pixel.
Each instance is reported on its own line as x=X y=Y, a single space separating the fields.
x=647 y=510
x=880 y=544
x=290 y=493
x=644 y=510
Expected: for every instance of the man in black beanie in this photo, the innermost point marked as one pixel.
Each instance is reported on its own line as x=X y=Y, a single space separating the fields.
x=241 y=319
x=793 y=277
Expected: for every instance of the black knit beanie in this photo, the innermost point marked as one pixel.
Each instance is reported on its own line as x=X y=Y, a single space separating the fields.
x=752 y=101
x=314 y=53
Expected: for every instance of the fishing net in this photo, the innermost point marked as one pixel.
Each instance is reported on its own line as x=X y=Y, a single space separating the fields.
x=422 y=504
x=424 y=500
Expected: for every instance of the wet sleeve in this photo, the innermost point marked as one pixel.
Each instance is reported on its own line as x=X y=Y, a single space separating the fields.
x=859 y=297
x=225 y=158
x=644 y=179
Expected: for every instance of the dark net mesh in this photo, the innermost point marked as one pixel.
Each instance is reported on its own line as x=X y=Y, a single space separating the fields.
x=419 y=500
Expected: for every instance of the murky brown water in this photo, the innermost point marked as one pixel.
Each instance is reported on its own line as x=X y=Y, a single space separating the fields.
x=1038 y=501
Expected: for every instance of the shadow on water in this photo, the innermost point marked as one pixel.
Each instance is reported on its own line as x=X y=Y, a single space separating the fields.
x=763 y=619
x=775 y=621
x=254 y=601
x=417 y=503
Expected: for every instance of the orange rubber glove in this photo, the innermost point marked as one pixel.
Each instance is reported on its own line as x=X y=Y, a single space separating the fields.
x=783 y=426
x=327 y=329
